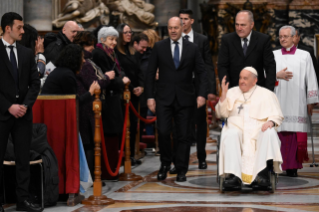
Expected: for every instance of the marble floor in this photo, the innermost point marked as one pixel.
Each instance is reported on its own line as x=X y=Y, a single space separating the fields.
x=201 y=191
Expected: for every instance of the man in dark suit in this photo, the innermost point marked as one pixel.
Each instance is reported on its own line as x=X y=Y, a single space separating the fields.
x=19 y=88
x=299 y=45
x=246 y=47
x=199 y=118
x=176 y=59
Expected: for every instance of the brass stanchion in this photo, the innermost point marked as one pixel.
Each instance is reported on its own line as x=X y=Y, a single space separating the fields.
x=97 y=198
x=128 y=175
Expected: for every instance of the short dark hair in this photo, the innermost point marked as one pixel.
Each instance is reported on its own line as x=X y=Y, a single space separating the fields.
x=71 y=57
x=298 y=31
x=85 y=38
x=29 y=37
x=8 y=20
x=140 y=37
x=188 y=12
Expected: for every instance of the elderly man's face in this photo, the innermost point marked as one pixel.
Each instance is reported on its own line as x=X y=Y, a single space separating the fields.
x=285 y=38
x=243 y=25
x=174 y=28
x=247 y=80
x=70 y=30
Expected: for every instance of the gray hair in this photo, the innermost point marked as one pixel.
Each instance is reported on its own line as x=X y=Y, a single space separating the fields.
x=250 y=14
x=292 y=29
x=105 y=32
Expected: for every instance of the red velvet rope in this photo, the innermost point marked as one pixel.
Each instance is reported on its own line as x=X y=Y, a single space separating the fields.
x=147 y=121
x=106 y=160
x=211 y=105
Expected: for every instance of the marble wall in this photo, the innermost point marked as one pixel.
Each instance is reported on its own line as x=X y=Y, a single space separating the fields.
x=11 y=6
x=38 y=14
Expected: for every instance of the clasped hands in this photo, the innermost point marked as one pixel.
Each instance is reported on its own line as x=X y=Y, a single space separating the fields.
x=17 y=110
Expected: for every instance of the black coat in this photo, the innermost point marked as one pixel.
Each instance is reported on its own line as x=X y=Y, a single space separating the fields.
x=29 y=83
x=131 y=67
x=203 y=44
x=144 y=61
x=259 y=55
x=175 y=83
x=112 y=110
x=54 y=48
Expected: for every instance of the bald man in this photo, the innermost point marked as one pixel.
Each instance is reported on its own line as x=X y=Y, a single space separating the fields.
x=249 y=143
x=54 y=44
x=176 y=59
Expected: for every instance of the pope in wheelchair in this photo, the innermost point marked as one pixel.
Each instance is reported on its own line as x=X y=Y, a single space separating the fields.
x=249 y=150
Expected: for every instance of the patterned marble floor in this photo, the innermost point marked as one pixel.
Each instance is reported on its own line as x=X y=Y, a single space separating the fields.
x=201 y=192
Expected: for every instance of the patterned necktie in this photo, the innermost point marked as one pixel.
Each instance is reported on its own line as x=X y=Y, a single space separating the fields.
x=176 y=54
x=13 y=61
x=245 y=46
x=186 y=37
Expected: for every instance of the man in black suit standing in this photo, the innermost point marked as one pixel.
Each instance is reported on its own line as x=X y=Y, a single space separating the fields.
x=199 y=118
x=176 y=60
x=246 y=47
x=19 y=88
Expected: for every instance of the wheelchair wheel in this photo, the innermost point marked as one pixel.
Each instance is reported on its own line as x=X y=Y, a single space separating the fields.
x=221 y=184
x=273 y=182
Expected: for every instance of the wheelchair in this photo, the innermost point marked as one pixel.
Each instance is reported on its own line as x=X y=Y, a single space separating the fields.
x=273 y=177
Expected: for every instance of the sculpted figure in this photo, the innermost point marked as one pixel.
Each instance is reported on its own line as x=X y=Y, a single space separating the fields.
x=135 y=13
x=82 y=11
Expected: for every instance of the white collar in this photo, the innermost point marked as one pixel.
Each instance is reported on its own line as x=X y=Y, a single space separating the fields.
x=248 y=37
x=180 y=40
x=5 y=43
x=190 y=34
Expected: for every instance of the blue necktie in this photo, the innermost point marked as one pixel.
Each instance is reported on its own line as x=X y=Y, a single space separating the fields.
x=186 y=37
x=176 y=55
x=13 y=61
x=245 y=46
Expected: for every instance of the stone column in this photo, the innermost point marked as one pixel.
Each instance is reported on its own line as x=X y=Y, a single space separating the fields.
x=165 y=9
x=38 y=14
x=11 y=6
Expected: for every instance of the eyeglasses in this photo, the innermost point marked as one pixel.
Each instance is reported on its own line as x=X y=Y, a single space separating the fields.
x=285 y=36
x=128 y=32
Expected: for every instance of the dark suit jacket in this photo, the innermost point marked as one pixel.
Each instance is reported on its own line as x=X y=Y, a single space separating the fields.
x=29 y=83
x=203 y=45
x=175 y=83
x=231 y=59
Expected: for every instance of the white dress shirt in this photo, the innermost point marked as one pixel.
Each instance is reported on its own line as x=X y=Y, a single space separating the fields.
x=6 y=44
x=180 y=45
x=190 y=36
x=248 y=40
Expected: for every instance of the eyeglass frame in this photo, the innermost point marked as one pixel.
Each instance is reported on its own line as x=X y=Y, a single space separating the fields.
x=285 y=36
x=128 y=32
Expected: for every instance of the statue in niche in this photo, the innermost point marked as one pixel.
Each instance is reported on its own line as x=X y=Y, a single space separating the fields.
x=82 y=11
x=210 y=24
x=136 y=13
x=261 y=17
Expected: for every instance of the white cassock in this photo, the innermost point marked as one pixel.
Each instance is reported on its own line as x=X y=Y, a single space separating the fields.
x=295 y=94
x=244 y=148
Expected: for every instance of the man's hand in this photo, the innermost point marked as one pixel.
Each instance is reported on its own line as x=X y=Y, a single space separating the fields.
x=224 y=89
x=17 y=110
x=267 y=125
x=110 y=74
x=151 y=104
x=126 y=80
x=200 y=101
x=310 y=108
x=138 y=91
x=211 y=97
x=285 y=75
x=157 y=75
x=39 y=45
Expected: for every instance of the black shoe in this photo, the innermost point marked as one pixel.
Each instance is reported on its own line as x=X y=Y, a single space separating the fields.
x=135 y=162
x=28 y=206
x=1 y=208
x=202 y=165
x=162 y=173
x=292 y=172
x=173 y=171
x=181 y=177
x=233 y=182
x=261 y=181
